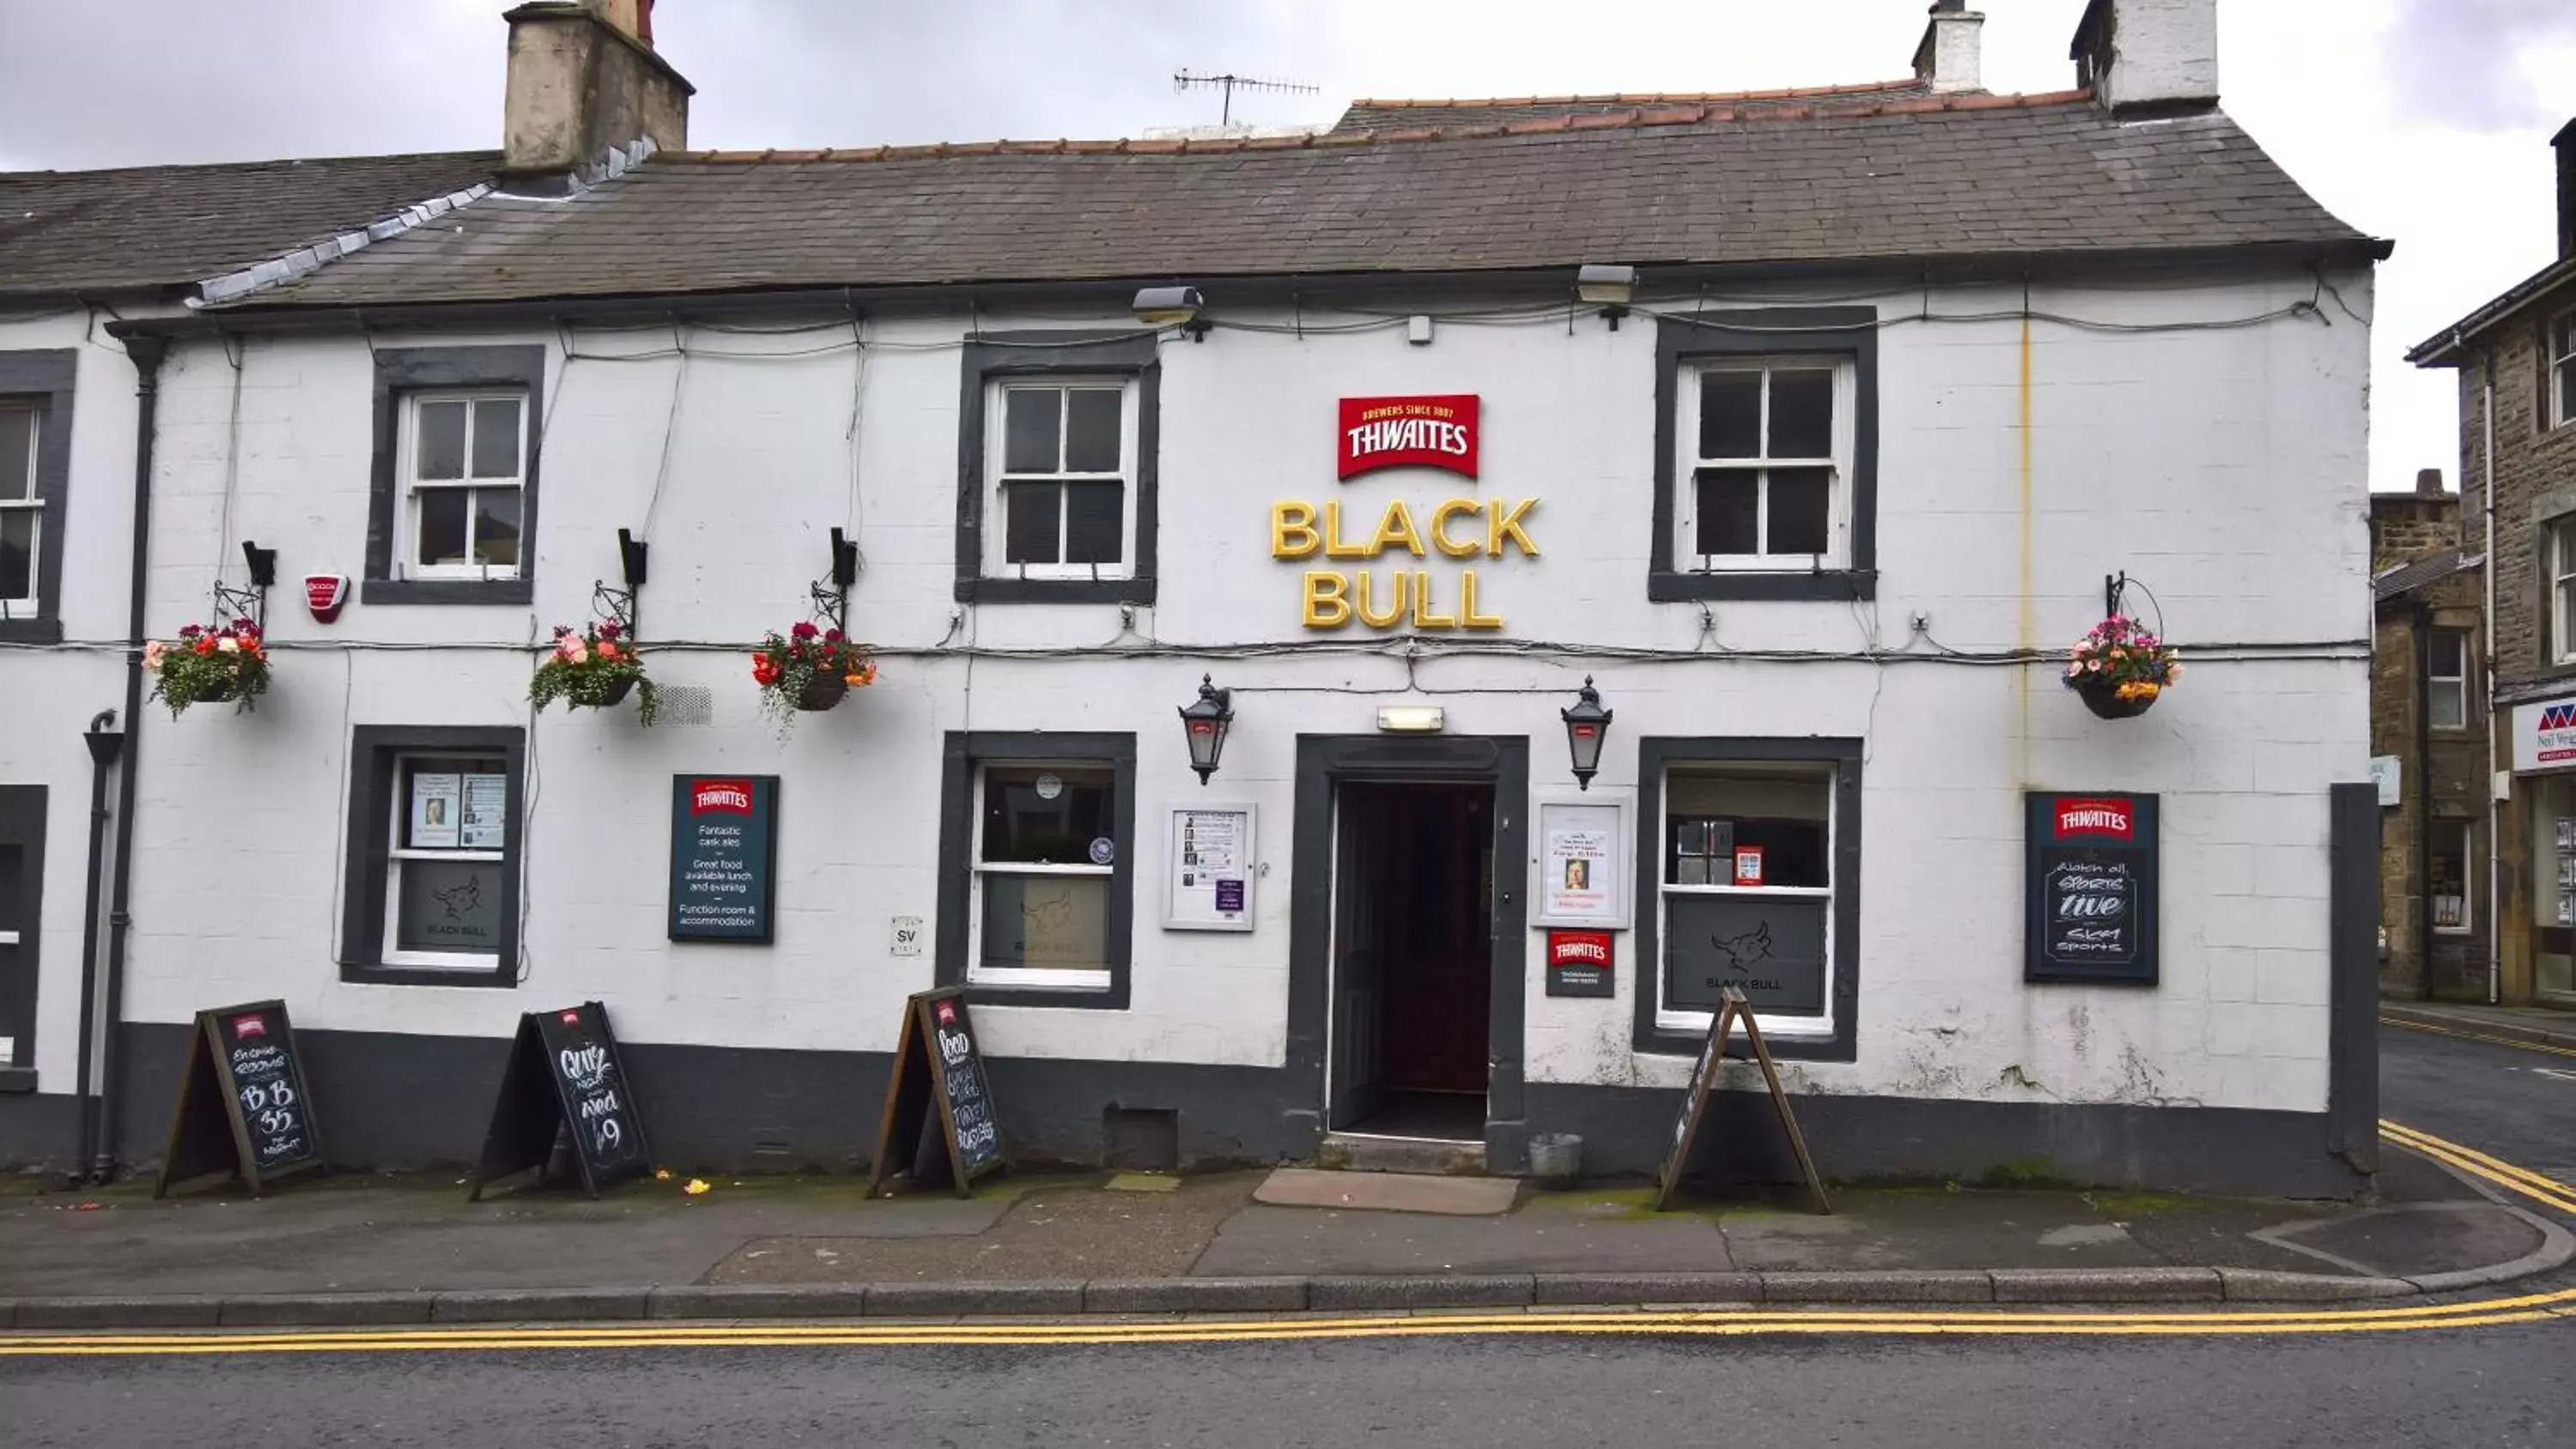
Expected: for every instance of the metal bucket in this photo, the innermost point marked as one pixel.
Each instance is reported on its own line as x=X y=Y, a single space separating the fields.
x=1556 y=1158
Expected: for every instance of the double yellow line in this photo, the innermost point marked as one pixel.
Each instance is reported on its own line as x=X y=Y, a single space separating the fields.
x=2528 y=1308
x=2547 y=1191
x=2502 y=1041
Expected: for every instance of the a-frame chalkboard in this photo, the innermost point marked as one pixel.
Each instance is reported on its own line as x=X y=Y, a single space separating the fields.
x=1732 y=1007
x=243 y=1108
x=564 y=1076
x=939 y=1126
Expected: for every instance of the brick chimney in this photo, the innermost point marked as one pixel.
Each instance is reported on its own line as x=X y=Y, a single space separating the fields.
x=1947 y=57
x=2565 y=141
x=584 y=79
x=2149 y=57
x=2428 y=482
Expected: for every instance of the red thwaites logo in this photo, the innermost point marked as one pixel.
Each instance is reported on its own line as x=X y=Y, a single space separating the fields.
x=731 y=797
x=246 y=1027
x=2112 y=818
x=947 y=1013
x=572 y=1017
x=1418 y=432
x=1578 y=948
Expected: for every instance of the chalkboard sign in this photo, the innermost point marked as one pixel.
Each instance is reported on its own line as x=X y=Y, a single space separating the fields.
x=939 y=1124
x=1732 y=1008
x=724 y=845
x=2090 y=874
x=565 y=1081
x=243 y=1108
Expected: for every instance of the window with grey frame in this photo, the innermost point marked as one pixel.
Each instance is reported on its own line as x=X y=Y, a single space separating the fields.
x=22 y=883
x=452 y=513
x=1057 y=488
x=2558 y=374
x=433 y=856
x=1036 y=867
x=22 y=505
x=2446 y=679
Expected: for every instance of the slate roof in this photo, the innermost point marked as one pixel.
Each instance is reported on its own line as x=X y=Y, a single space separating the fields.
x=1841 y=178
x=150 y=228
x=1378 y=115
x=2432 y=568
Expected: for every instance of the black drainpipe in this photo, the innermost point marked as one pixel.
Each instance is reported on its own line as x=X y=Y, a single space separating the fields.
x=2424 y=801
x=105 y=743
x=147 y=353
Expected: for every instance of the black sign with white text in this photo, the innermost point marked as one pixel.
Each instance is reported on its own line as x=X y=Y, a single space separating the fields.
x=2090 y=875
x=242 y=1101
x=724 y=845
x=564 y=1084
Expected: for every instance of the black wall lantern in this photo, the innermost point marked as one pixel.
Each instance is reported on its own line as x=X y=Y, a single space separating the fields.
x=1586 y=725
x=1207 y=719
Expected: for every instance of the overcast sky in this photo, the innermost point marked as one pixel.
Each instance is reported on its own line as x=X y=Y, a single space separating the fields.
x=2422 y=120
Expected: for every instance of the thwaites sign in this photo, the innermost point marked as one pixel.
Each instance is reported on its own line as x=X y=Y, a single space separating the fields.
x=724 y=848
x=2091 y=867
x=1408 y=432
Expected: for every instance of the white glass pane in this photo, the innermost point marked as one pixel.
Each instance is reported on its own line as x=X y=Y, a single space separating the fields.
x=18 y=432
x=2450 y=710
x=1056 y=923
x=448 y=905
x=496 y=438
x=441 y=449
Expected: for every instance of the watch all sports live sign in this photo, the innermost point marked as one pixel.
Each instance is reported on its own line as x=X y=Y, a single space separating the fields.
x=724 y=852
x=2092 y=865
x=1408 y=432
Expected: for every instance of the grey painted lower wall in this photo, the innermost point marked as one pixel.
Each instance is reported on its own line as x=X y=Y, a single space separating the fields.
x=393 y=1101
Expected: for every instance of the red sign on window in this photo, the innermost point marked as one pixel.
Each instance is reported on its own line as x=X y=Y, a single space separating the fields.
x=1748 y=866
x=1408 y=432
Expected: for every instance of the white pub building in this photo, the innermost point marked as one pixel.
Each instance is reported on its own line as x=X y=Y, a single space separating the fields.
x=1358 y=636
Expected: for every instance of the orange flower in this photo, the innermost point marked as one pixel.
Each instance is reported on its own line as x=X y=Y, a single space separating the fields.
x=607 y=650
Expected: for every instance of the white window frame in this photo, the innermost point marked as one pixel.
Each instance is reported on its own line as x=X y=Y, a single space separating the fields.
x=399 y=814
x=2558 y=345
x=1838 y=517
x=2437 y=684
x=2468 y=832
x=2562 y=590
x=410 y=485
x=1046 y=978
x=1694 y=1020
x=996 y=438
x=33 y=505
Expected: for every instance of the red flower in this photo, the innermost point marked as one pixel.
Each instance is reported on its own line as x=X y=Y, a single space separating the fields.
x=608 y=629
x=833 y=635
x=802 y=630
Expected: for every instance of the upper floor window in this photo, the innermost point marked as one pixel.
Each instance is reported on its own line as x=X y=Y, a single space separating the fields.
x=22 y=505
x=465 y=469
x=2446 y=670
x=2562 y=368
x=1768 y=465
x=1060 y=467
x=2560 y=557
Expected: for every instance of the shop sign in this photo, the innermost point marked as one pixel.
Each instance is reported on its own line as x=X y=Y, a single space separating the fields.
x=1579 y=963
x=2091 y=866
x=1400 y=598
x=724 y=845
x=2544 y=735
x=1407 y=432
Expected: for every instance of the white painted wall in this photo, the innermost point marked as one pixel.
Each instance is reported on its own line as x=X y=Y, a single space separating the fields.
x=2222 y=467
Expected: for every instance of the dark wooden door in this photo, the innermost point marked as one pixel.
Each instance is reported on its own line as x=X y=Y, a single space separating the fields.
x=1437 y=937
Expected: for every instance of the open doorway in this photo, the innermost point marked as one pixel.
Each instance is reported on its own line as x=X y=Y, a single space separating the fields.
x=1413 y=958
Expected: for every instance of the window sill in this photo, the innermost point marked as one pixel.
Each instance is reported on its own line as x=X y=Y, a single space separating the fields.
x=1664 y=586
x=1837 y=1047
x=447 y=591
x=1109 y=998
x=1056 y=591
x=17 y=1079
x=39 y=630
x=370 y=973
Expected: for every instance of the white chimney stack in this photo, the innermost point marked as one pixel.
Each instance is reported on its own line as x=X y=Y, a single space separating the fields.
x=2149 y=57
x=583 y=80
x=1947 y=58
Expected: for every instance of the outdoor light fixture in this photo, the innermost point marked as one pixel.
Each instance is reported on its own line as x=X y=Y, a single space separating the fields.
x=1172 y=307
x=1411 y=719
x=1586 y=725
x=1207 y=719
x=1612 y=288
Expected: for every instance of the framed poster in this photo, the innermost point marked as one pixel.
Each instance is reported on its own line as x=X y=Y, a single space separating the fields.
x=1583 y=849
x=1208 y=869
x=2091 y=866
x=724 y=847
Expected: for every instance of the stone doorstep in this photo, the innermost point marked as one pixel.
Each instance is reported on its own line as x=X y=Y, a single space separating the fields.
x=1339 y=1293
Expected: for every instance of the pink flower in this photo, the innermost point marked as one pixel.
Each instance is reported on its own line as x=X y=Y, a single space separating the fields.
x=573 y=651
x=608 y=629
x=152 y=653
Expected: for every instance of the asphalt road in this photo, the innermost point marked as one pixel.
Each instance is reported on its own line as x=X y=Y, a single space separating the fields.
x=2515 y=1104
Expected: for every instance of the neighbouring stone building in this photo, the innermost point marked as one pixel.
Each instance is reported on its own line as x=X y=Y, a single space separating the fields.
x=2428 y=743
x=2516 y=360
x=1799 y=433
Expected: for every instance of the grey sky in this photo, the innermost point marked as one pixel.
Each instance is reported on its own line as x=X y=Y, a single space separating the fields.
x=2425 y=120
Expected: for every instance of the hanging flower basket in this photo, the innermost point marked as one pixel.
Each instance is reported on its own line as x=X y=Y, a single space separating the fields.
x=2120 y=669
x=807 y=670
x=595 y=668
x=209 y=666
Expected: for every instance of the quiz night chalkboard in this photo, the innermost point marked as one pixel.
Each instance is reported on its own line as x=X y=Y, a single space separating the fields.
x=564 y=1082
x=724 y=849
x=2091 y=866
x=242 y=1106
x=939 y=1125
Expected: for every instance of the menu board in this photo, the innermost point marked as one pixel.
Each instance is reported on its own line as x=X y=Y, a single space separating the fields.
x=2091 y=868
x=564 y=1081
x=724 y=839
x=1210 y=869
x=1580 y=879
x=939 y=1124
x=242 y=1102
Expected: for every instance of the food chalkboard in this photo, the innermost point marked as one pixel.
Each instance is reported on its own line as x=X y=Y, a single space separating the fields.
x=724 y=848
x=242 y=1105
x=565 y=1079
x=939 y=1125
x=1732 y=1008
x=2090 y=866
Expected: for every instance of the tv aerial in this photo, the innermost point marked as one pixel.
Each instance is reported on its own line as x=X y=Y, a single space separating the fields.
x=1228 y=84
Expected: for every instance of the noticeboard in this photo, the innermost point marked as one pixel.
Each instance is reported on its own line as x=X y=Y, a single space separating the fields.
x=724 y=852
x=2091 y=868
x=1582 y=865
x=1209 y=869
